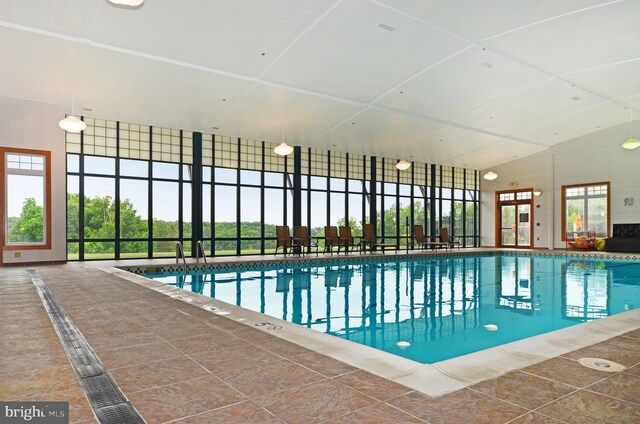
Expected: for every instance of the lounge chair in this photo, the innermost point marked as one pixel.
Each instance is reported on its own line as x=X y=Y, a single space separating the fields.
x=445 y=238
x=284 y=240
x=331 y=238
x=370 y=241
x=420 y=239
x=346 y=240
x=301 y=235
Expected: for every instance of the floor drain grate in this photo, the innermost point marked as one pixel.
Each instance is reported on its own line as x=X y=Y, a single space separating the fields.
x=601 y=364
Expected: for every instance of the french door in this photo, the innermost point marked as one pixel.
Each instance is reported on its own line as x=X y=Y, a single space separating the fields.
x=514 y=217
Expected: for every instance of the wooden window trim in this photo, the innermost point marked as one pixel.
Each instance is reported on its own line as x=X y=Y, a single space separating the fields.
x=563 y=205
x=515 y=201
x=47 y=206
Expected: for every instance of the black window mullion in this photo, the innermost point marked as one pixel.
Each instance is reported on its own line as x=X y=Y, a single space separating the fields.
x=262 y=204
x=117 y=193
x=238 y=205
x=181 y=198
x=464 y=207
x=150 y=199
x=81 y=200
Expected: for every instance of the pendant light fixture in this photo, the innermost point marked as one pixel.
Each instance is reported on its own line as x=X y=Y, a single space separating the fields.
x=131 y=3
x=631 y=142
x=283 y=149
x=72 y=123
x=490 y=176
x=403 y=165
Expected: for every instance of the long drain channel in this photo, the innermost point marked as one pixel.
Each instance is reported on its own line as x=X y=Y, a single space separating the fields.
x=105 y=397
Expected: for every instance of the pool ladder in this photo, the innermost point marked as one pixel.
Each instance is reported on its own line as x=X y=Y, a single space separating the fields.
x=199 y=250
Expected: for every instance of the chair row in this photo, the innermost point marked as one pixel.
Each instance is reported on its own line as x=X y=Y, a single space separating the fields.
x=302 y=242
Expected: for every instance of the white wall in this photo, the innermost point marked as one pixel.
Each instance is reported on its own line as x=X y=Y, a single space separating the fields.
x=595 y=157
x=34 y=125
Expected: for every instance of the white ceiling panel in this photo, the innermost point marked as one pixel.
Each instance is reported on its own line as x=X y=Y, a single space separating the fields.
x=466 y=81
x=447 y=144
x=378 y=132
x=265 y=111
x=482 y=19
x=226 y=35
x=35 y=67
x=144 y=91
x=347 y=55
x=580 y=123
x=617 y=80
x=591 y=38
x=59 y=16
x=496 y=154
x=533 y=105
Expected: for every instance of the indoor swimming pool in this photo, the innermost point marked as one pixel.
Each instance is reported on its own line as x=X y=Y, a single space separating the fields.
x=427 y=309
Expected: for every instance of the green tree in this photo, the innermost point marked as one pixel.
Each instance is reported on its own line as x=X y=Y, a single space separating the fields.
x=29 y=226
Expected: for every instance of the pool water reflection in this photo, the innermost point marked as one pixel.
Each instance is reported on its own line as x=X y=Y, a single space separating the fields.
x=428 y=309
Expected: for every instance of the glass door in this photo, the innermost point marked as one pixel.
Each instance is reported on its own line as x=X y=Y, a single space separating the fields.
x=508 y=225
x=515 y=215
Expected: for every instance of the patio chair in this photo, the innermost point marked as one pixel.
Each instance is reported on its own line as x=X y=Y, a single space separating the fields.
x=331 y=238
x=284 y=240
x=370 y=241
x=445 y=238
x=301 y=235
x=346 y=240
x=420 y=239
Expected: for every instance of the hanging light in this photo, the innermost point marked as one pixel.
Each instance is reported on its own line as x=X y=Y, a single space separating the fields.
x=283 y=149
x=631 y=142
x=131 y=3
x=490 y=176
x=72 y=124
x=537 y=192
x=403 y=165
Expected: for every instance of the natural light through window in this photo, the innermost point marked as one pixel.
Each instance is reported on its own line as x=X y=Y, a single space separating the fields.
x=25 y=199
x=585 y=208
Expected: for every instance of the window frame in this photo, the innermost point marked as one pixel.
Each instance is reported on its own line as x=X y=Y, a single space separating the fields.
x=563 y=204
x=46 y=245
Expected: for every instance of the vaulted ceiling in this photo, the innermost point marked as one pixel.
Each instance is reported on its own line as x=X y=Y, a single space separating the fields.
x=459 y=82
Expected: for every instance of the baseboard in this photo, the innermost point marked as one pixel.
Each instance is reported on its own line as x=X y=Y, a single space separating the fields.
x=25 y=264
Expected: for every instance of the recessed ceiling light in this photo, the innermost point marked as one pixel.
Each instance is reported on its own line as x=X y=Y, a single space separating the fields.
x=263 y=54
x=402 y=92
x=353 y=123
x=224 y=100
x=487 y=65
x=132 y=3
x=386 y=27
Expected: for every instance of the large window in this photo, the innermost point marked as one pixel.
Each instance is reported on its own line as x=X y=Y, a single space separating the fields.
x=585 y=207
x=135 y=191
x=25 y=201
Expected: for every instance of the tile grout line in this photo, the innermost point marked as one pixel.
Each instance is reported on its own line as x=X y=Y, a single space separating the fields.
x=109 y=404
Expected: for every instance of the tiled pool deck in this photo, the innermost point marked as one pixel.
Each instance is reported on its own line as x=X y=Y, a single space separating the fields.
x=177 y=362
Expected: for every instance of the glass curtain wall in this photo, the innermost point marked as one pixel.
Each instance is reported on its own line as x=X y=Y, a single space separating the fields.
x=132 y=193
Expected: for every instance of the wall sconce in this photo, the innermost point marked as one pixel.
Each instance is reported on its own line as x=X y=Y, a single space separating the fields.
x=537 y=192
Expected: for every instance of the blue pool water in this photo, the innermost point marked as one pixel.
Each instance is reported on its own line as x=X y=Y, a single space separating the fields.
x=443 y=307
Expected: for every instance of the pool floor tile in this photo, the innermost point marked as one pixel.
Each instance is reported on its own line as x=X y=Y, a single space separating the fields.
x=244 y=412
x=269 y=377
x=315 y=402
x=526 y=390
x=323 y=364
x=586 y=407
x=463 y=406
x=375 y=414
x=566 y=371
x=184 y=399
x=137 y=355
x=622 y=350
x=372 y=385
x=625 y=386
x=146 y=376
x=535 y=418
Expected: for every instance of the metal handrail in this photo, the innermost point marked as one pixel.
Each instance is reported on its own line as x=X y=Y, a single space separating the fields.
x=200 y=248
x=180 y=253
